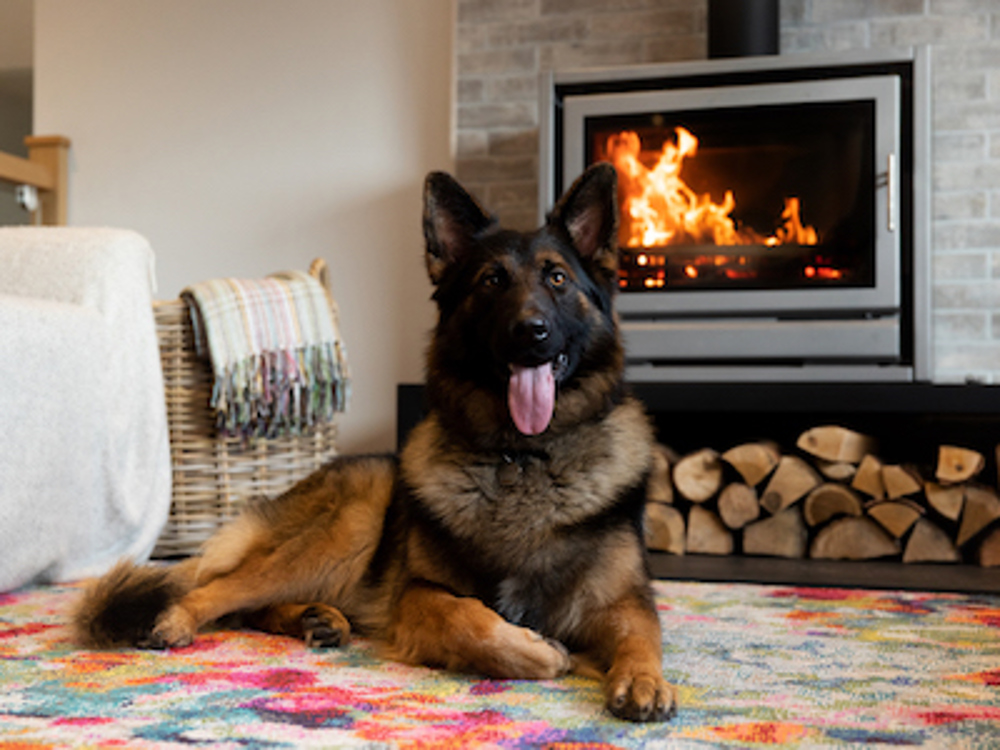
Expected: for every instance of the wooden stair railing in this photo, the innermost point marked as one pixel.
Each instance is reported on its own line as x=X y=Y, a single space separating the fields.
x=46 y=169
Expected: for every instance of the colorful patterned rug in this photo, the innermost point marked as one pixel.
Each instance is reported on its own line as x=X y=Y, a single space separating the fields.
x=756 y=666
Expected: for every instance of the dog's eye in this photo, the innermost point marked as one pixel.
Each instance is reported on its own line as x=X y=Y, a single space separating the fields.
x=491 y=279
x=557 y=278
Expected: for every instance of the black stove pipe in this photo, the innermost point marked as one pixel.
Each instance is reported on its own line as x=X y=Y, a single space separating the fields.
x=740 y=28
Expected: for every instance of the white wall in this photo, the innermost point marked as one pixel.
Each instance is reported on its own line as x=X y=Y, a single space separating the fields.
x=247 y=137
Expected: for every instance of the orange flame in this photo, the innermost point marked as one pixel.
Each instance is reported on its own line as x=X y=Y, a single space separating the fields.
x=661 y=209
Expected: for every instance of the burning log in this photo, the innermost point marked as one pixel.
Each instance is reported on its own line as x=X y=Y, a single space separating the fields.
x=660 y=208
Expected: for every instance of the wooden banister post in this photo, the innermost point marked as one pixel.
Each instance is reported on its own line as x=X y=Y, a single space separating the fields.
x=52 y=152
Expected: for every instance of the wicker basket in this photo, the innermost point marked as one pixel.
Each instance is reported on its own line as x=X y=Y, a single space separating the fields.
x=214 y=475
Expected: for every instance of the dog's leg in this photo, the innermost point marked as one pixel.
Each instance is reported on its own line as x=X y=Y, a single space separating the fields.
x=256 y=583
x=319 y=625
x=627 y=635
x=434 y=627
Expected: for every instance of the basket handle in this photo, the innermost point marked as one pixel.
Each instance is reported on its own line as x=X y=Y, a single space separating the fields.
x=319 y=270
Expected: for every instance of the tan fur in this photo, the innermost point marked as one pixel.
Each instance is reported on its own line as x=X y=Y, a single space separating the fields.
x=432 y=626
x=589 y=466
x=314 y=546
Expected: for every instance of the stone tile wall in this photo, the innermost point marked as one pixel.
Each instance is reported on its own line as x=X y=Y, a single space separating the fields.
x=504 y=45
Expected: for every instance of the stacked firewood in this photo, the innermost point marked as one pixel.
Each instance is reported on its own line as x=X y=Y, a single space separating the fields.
x=833 y=499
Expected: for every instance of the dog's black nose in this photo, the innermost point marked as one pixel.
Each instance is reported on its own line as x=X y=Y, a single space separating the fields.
x=532 y=330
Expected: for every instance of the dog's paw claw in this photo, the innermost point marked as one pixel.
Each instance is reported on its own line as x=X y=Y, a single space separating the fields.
x=320 y=632
x=567 y=662
x=323 y=636
x=152 y=641
x=642 y=698
x=174 y=629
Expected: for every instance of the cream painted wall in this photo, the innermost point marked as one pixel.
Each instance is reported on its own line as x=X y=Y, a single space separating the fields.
x=247 y=137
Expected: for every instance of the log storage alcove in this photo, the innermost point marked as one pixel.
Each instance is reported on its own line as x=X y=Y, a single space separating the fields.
x=885 y=485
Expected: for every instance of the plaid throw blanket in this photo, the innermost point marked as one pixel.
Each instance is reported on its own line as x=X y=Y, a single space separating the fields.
x=276 y=352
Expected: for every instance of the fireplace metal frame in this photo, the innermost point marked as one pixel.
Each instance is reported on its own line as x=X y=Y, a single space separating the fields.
x=877 y=334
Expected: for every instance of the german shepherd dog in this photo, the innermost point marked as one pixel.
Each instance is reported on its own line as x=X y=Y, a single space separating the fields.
x=506 y=538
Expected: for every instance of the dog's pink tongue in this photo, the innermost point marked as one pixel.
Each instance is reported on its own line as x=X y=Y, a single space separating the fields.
x=531 y=396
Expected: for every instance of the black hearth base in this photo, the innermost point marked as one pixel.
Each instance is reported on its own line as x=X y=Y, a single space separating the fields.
x=869 y=574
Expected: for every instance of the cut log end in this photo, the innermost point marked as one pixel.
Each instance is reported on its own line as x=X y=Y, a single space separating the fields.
x=698 y=476
x=900 y=481
x=835 y=443
x=754 y=462
x=783 y=535
x=738 y=505
x=928 y=543
x=706 y=534
x=896 y=516
x=945 y=499
x=868 y=478
x=659 y=488
x=853 y=539
x=828 y=501
x=982 y=507
x=665 y=530
x=957 y=464
x=791 y=481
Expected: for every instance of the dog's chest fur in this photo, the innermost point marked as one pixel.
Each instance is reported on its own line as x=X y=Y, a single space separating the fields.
x=519 y=515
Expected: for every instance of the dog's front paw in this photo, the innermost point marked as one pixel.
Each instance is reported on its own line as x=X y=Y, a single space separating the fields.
x=557 y=661
x=636 y=695
x=520 y=653
x=174 y=629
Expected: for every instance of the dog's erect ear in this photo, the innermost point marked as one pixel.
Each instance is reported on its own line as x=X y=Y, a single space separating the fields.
x=452 y=220
x=589 y=213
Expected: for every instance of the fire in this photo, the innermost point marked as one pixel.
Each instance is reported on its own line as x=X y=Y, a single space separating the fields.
x=663 y=210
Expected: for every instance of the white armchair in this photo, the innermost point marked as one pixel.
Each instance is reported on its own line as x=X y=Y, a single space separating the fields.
x=84 y=446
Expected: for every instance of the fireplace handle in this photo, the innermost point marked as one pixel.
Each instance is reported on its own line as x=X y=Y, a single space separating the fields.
x=890 y=191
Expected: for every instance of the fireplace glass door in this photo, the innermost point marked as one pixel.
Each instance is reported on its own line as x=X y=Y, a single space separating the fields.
x=769 y=198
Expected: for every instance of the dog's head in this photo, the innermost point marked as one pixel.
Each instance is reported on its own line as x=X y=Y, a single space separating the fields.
x=527 y=340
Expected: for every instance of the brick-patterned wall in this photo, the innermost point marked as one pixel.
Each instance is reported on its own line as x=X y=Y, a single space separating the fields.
x=504 y=45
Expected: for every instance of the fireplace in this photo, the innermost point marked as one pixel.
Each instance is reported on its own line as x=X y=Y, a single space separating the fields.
x=773 y=212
